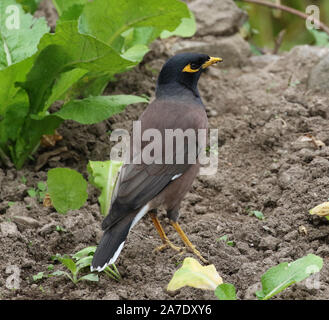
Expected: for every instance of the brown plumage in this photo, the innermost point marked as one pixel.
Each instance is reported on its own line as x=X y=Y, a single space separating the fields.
x=142 y=188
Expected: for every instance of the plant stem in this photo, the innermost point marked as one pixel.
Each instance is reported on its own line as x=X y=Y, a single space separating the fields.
x=5 y=159
x=298 y=13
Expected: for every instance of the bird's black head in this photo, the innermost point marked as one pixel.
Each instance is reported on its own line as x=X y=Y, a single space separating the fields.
x=182 y=72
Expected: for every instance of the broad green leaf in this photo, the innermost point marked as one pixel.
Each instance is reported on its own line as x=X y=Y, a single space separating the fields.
x=321 y=210
x=193 y=274
x=43 y=75
x=72 y=13
x=63 y=5
x=84 y=252
x=225 y=291
x=85 y=51
x=68 y=263
x=29 y=5
x=9 y=93
x=92 y=84
x=90 y=277
x=136 y=36
x=279 y=277
x=127 y=14
x=96 y=109
x=84 y=262
x=67 y=189
x=103 y=175
x=136 y=53
x=20 y=33
x=14 y=117
x=63 y=83
x=187 y=28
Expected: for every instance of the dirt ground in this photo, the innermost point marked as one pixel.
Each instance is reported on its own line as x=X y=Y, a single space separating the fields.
x=262 y=109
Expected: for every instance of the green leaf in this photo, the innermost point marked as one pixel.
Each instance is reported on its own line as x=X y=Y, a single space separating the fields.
x=103 y=175
x=193 y=274
x=84 y=252
x=225 y=291
x=68 y=263
x=126 y=14
x=84 y=51
x=71 y=14
x=13 y=118
x=32 y=193
x=61 y=273
x=136 y=53
x=223 y=238
x=42 y=186
x=279 y=277
x=20 y=33
x=62 y=84
x=84 y=262
x=29 y=5
x=258 y=214
x=63 y=5
x=67 y=189
x=90 y=277
x=321 y=38
x=136 y=36
x=96 y=109
x=187 y=28
x=38 y=276
x=10 y=94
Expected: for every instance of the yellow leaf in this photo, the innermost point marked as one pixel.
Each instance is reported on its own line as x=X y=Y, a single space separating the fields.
x=321 y=210
x=193 y=274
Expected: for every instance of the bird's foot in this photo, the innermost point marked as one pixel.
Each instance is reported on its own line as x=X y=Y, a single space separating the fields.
x=169 y=244
x=198 y=254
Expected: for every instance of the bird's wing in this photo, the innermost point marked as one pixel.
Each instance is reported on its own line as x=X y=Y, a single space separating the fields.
x=140 y=183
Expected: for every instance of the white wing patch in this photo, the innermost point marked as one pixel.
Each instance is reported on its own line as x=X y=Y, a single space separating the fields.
x=176 y=176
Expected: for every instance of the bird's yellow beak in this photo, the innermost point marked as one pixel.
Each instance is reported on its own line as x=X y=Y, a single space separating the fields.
x=211 y=61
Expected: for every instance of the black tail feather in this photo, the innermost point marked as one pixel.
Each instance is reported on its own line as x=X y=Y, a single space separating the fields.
x=109 y=249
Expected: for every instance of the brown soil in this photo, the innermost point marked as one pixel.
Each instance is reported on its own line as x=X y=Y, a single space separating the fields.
x=261 y=111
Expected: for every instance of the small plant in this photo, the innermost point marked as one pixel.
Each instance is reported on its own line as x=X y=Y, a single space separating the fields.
x=39 y=193
x=85 y=256
x=274 y=280
x=74 y=268
x=80 y=260
x=258 y=214
x=225 y=239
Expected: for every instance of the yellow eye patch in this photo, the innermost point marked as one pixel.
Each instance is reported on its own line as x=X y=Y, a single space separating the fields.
x=189 y=69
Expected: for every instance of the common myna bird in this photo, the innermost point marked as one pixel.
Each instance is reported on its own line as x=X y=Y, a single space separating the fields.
x=142 y=188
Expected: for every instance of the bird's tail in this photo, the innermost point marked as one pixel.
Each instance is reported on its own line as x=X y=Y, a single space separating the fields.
x=111 y=244
x=113 y=240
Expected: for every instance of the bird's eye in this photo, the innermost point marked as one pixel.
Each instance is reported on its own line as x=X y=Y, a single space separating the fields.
x=194 y=66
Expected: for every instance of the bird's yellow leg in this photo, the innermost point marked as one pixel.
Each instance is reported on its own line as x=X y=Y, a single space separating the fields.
x=187 y=242
x=163 y=236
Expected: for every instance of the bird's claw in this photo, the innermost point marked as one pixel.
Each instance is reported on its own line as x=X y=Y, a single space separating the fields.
x=166 y=245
